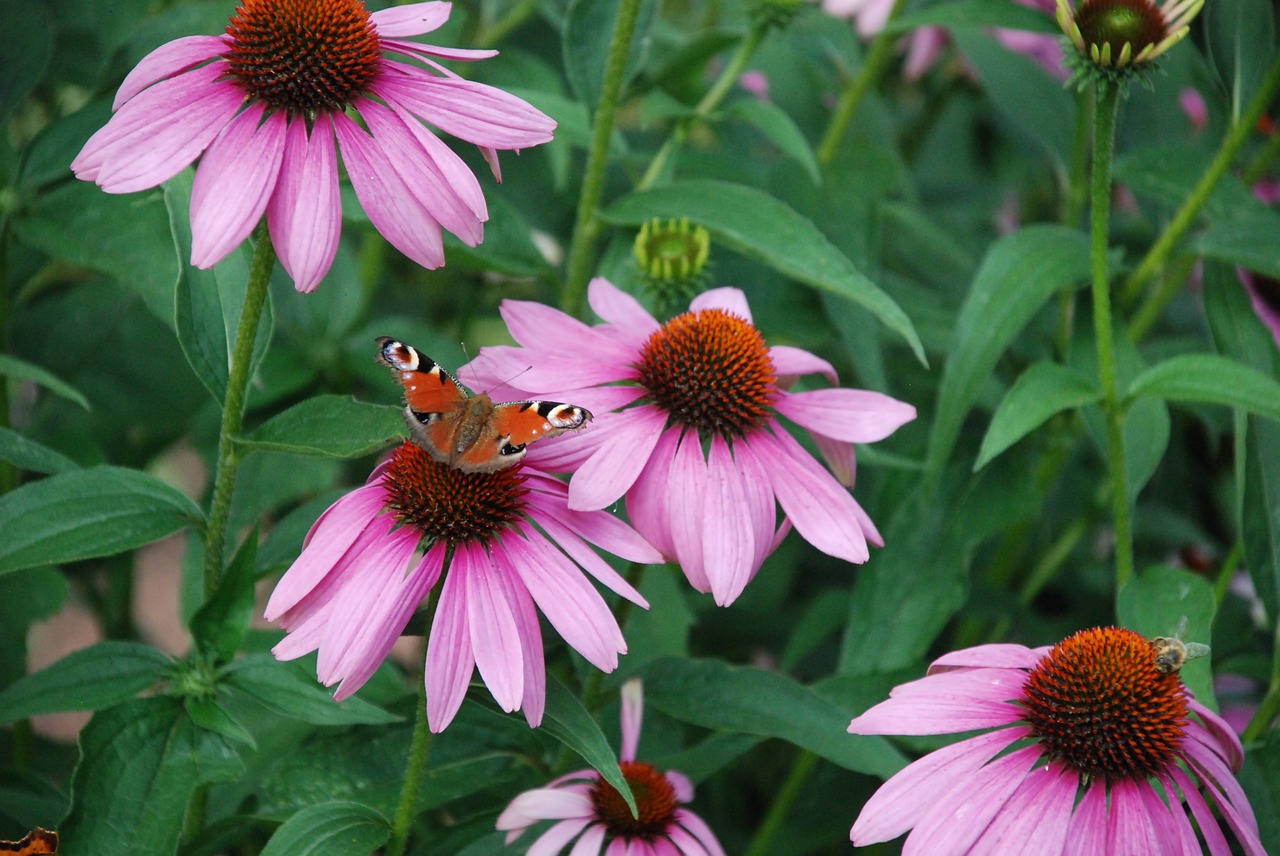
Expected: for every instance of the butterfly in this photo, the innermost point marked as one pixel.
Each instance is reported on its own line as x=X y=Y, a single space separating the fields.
x=466 y=431
x=38 y=841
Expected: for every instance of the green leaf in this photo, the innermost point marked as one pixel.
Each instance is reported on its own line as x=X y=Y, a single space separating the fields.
x=209 y=302
x=1039 y=392
x=84 y=514
x=334 y=426
x=330 y=829
x=140 y=763
x=1240 y=35
x=211 y=716
x=26 y=454
x=28 y=39
x=1260 y=778
x=287 y=690
x=92 y=678
x=1249 y=242
x=568 y=721
x=220 y=624
x=23 y=370
x=1020 y=273
x=1210 y=379
x=1173 y=602
x=712 y=694
x=977 y=13
x=752 y=222
x=780 y=129
x=1168 y=174
x=588 y=31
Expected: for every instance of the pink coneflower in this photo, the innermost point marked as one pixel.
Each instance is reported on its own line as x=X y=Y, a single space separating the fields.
x=585 y=805
x=265 y=104
x=504 y=542
x=1092 y=752
x=693 y=440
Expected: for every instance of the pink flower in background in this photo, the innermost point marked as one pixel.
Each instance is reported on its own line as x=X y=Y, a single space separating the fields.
x=686 y=428
x=756 y=83
x=264 y=108
x=1264 y=294
x=1194 y=108
x=869 y=16
x=592 y=811
x=507 y=546
x=1091 y=748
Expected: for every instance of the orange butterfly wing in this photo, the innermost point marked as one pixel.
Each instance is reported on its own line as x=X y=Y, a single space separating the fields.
x=38 y=842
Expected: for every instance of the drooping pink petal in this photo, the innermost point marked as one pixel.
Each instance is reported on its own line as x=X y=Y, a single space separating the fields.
x=1087 y=835
x=412 y=19
x=1228 y=744
x=302 y=639
x=699 y=828
x=1214 y=770
x=553 y=841
x=544 y=804
x=233 y=184
x=471 y=111
x=792 y=362
x=1231 y=801
x=946 y=704
x=683 y=843
x=951 y=826
x=393 y=208
x=495 y=640
x=728 y=536
x=449 y=657
x=1129 y=829
x=686 y=514
x=731 y=300
x=586 y=557
x=901 y=801
x=453 y=169
x=169 y=59
x=159 y=132
x=305 y=212
x=621 y=311
x=602 y=528
x=614 y=467
x=1186 y=842
x=526 y=614
x=997 y=655
x=681 y=784
x=1039 y=811
x=417 y=49
x=841 y=458
x=759 y=498
x=632 y=718
x=1160 y=820
x=821 y=510
x=851 y=415
x=590 y=842
x=647 y=499
x=536 y=325
x=1213 y=837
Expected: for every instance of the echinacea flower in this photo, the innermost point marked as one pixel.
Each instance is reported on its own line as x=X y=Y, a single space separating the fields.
x=1117 y=37
x=1264 y=294
x=686 y=428
x=265 y=106
x=504 y=542
x=585 y=805
x=1093 y=748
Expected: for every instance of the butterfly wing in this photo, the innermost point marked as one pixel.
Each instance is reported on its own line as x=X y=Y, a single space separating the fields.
x=38 y=842
x=431 y=395
x=510 y=427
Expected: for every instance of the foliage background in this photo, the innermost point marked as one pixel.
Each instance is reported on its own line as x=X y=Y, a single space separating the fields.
x=112 y=346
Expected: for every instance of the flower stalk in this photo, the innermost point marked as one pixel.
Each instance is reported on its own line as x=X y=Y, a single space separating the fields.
x=255 y=299
x=586 y=227
x=1106 y=104
x=416 y=768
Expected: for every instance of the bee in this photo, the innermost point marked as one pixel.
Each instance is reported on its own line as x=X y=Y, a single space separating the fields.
x=1172 y=653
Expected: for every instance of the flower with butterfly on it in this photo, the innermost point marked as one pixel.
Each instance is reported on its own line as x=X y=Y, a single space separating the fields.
x=589 y=809
x=1092 y=746
x=506 y=546
x=264 y=109
x=686 y=428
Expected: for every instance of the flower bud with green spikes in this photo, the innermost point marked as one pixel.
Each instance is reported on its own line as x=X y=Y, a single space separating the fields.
x=673 y=258
x=773 y=14
x=1117 y=39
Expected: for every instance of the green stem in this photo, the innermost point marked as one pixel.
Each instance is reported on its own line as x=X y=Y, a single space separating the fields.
x=413 y=775
x=1226 y=573
x=1153 y=307
x=1269 y=709
x=1182 y=221
x=879 y=56
x=1104 y=132
x=782 y=803
x=710 y=101
x=586 y=228
x=494 y=33
x=224 y=482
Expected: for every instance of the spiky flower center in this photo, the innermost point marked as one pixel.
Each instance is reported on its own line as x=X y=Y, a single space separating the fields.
x=444 y=503
x=1098 y=703
x=1117 y=22
x=655 y=799
x=303 y=56
x=710 y=371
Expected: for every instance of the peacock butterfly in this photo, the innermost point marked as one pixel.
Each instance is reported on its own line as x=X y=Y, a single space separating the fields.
x=466 y=431
x=38 y=842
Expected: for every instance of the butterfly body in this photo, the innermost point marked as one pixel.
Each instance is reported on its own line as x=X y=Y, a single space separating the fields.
x=465 y=431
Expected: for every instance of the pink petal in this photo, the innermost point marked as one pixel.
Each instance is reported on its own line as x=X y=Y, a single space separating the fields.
x=616 y=465
x=632 y=718
x=449 y=657
x=951 y=826
x=946 y=704
x=1230 y=800
x=475 y=112
x=417 y=49
x=536 y=325
x=1087 y=835
x=1129 y=829
x=495 y=640
x=590 y=842
x=851 y=415
x=840 y=458
x=621 y=311
x=731 y=300
x=684 y=843
x=169 y=59
x=544 y=804
x=822 y=510
x=901 y=801
x=233 y=183
x=1000 y=655
x=699 y=828
x=647 y=498
x=791 y=362
x=1213 y=837
x=587 y=558
x=728 y=535
x=535 y=668
x=553 y=841
x=392 y=207
x=686 y=515
x=601 y=528
x=305 y=213
x=1039 y=811
x=412 y=19
x=159 y=132
x=1186 y=842
x=760 y=500
x=1228 y=744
